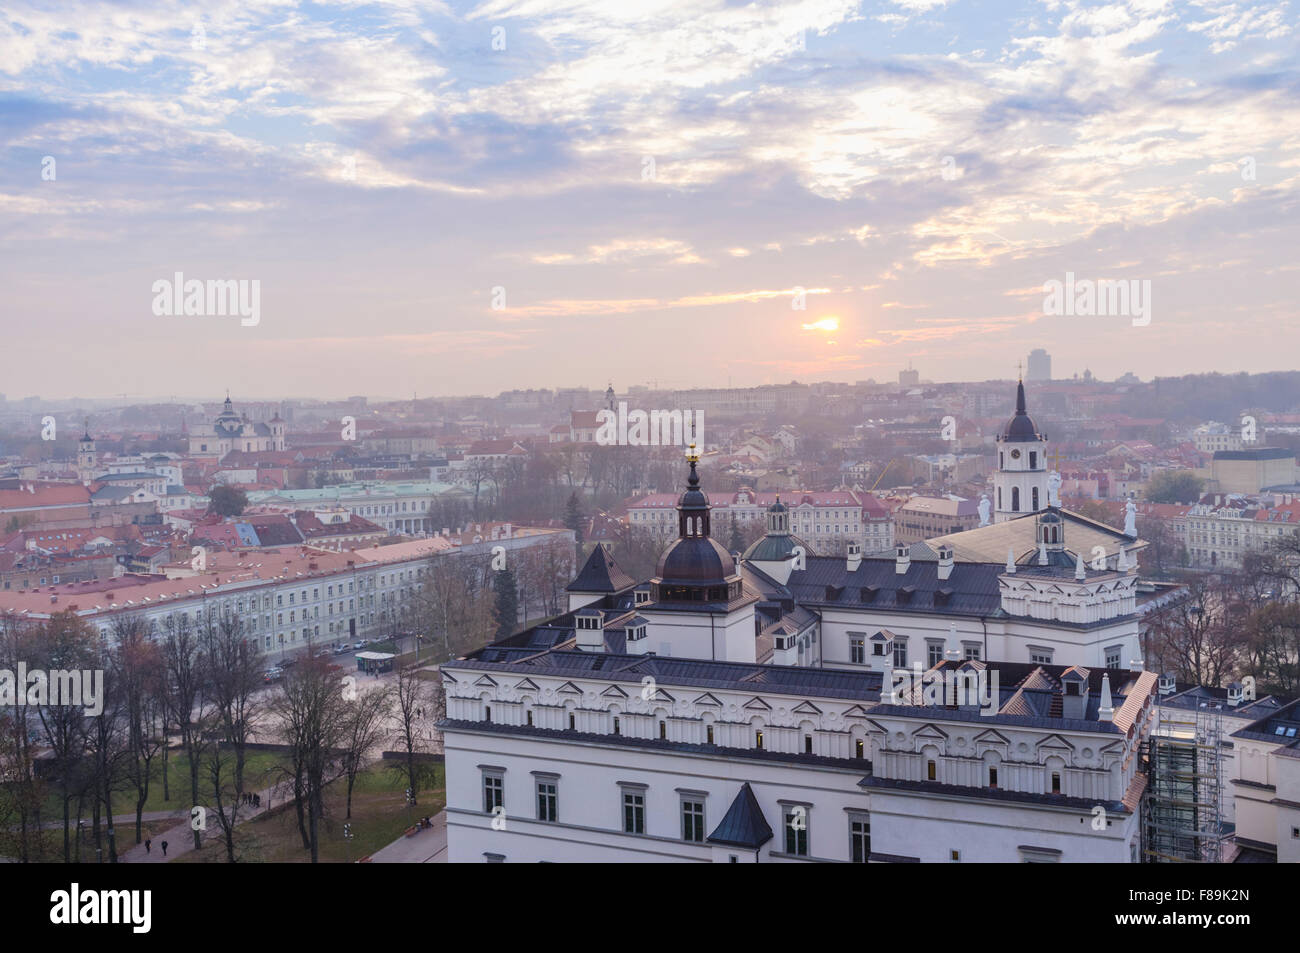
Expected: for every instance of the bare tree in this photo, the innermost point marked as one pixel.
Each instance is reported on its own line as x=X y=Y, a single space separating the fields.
x=312 y=715
x=365 y=726
x=1195 y=635
x=185 y=669
x=24 y=792
x=138 y=667
x=233 y=679
x=410 y=699
x=66 y=642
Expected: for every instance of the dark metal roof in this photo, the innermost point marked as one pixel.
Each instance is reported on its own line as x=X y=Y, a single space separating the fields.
x=702 y=673
x=765 y=755
x=744 y=824
x=975 y=587
x=1021 y=427
x=601 y=574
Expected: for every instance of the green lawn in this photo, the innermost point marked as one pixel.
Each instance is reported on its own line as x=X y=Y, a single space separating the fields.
x=259 y=773
x=379 y=817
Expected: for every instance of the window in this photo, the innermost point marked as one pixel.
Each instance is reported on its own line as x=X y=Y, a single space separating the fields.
x=633 y=812
x=1056 y=782
x=954 y=856
x=617 y=726
x=758 y=738
x=796 y=829
x=487 y=712
x=900 y=653
x=930 y=771
x=529 y=716
x=663 y=730
x=708 y=734
x=494 y=793
x=934 y=652
x=548 y=801
x=857 y=650
x=1015 y=499
x=573 y=722
x=1040 y=656
x=1034 y=493
x=1033 y=465
x=807 y=744
x=972 y=651
x=859 y=748
x=993 y=777
x=859 y=838
x=1113 y=656
x=693 y=820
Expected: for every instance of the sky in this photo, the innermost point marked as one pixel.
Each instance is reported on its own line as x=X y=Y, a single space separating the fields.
x=463 y=198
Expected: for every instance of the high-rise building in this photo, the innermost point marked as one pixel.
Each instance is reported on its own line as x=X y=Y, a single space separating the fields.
x=1040 y=365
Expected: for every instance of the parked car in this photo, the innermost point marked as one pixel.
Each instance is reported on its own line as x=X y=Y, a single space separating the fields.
x=273 y=674
x=361 y=643
x=343 y=650
x=288 y=663
x=323 y=653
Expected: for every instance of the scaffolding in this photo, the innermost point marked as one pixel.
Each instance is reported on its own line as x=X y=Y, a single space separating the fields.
x=1182 y=820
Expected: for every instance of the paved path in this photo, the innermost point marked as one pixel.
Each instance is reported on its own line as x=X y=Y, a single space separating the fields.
x=180 y=839
x=426 y=847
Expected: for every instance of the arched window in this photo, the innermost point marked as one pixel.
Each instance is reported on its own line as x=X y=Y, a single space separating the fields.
x=1015 y=499
x=1035 y=498
x=999 y=497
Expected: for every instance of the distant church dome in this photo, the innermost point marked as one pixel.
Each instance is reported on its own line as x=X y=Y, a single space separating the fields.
x=1021 y=427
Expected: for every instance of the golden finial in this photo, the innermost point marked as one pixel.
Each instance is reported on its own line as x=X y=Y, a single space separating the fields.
x=691 y=455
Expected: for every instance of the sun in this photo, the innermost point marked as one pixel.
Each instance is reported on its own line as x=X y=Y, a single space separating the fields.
x=829 y=323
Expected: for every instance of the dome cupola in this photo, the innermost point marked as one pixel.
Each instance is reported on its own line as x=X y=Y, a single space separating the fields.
x=695 y=568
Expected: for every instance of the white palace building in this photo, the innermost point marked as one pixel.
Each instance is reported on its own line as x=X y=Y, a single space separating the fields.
x=978 y=697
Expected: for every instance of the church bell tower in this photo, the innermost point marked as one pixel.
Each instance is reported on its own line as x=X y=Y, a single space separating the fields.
x=1020 y=485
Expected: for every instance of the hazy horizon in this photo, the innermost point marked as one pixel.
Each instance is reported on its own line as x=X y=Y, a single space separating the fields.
x=643 y=189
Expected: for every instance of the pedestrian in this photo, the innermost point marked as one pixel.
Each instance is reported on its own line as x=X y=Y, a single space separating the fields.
x=257 y=800
x=147 y=844
x=164 y=847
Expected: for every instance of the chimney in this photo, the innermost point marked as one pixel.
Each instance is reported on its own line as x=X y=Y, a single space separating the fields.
x=887 y=696
x=1107 y=710
x=902 y=558
x=1011 y=560
x=854 y=557
x=589 y=628
x=945 y=561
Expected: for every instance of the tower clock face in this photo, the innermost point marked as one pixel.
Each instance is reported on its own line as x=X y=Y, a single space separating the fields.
x=1015 y=454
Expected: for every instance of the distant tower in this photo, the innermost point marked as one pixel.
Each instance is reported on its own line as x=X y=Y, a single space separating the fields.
x=277 y=433
x=610 y=398
x=1040 y=365
x=1020 y=484
x=86 y=456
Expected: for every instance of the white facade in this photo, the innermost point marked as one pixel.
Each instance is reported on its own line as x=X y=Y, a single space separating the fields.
x=544 y=766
